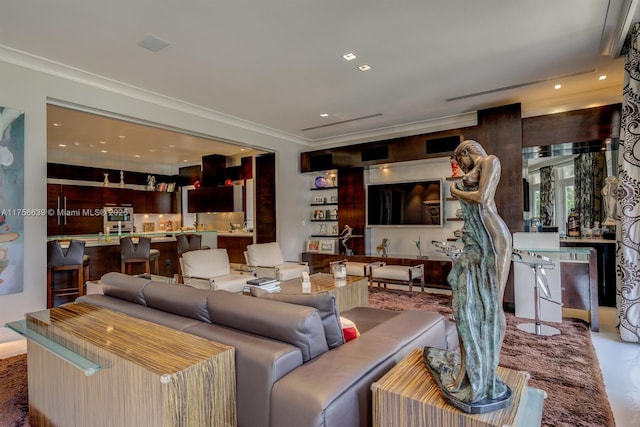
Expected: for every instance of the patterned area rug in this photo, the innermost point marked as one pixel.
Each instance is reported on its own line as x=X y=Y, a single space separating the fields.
x=565 y=366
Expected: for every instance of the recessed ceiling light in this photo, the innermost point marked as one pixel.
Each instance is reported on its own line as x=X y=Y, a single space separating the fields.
x=324 y=115
x=56 y=124
x=103 y=151
x=349 y=56
x=152 y=150
x=62 y=145
x=76 y=143
x=121 y=136
x=364 y=67
x=185 y=161
x=602 y=77
x=172 y=146
x=557 y=86
x=91 y=145
x=137 y=155
x=103 y=142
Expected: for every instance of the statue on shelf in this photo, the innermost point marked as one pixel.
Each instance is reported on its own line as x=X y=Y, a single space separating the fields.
x=121 y=179
x=151 y=183
x=609 y=199
x=105 y=182
x=469 y=380
x=384 y=247
x=347 y=233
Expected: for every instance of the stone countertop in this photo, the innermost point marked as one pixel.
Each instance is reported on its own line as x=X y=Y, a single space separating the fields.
x=94 y=240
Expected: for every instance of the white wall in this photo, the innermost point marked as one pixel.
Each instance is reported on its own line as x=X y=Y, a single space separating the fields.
x=28 y=86
x=402 y=238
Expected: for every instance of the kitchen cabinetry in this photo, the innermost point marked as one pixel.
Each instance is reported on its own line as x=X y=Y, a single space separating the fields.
x=115 y=196
x=73 y=209
x=155 y=202
x=210 y=199
x=235 y=246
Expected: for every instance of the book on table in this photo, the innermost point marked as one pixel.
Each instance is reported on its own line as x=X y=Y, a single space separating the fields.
x=262 y=281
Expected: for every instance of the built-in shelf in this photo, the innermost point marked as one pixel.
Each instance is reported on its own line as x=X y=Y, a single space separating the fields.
x=453 y=178
x=324 y=188
x=455 y=219
x=324 y=204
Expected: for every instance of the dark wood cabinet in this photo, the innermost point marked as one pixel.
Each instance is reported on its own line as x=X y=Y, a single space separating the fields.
x=76 y=209
x=211 y=199
x=235 y=246
x=115 y=196
x=606 y=267
x=155 y=202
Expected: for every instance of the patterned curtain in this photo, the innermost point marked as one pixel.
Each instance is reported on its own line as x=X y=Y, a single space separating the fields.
x=583 y=174
x=628 y=230
x=547 y=195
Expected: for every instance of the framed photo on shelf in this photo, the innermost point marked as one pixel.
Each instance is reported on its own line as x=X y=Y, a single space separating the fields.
x=327 y=246
x=335 y=230
x=312 y=246
x=318 y=200
x=334 y=199
x=318 y=214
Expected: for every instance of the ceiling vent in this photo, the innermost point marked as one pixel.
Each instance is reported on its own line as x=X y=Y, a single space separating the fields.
x=341 y=122
x=153 y=43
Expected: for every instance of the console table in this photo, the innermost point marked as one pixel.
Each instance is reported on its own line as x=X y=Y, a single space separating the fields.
x=92 y=366
x=354 y=293
x=435 y=271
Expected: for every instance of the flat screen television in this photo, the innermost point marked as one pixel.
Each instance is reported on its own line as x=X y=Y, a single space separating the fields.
x=405 y=203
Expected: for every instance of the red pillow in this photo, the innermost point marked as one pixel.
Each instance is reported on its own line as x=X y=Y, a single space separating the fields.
x=349 y=329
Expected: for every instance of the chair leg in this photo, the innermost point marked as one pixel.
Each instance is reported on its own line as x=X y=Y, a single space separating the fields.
x=49 y=288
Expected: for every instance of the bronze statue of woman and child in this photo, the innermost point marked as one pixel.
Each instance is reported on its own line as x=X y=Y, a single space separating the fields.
x=468 y=379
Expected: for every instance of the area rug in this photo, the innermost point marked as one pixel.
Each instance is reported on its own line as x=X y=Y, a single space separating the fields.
x=564 y=366
x=14 y=407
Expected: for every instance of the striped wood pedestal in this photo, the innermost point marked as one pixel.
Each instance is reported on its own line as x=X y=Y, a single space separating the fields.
x=407 y=396
x=148 y=375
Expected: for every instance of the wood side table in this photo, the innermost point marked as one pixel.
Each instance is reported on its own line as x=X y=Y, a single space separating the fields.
x=143 y=374
x=407 y=396
x=355 y=293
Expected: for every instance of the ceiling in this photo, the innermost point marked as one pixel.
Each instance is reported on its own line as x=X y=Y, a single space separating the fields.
x=277 y=65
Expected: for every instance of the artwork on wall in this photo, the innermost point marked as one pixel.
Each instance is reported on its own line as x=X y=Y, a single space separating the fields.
x=12 y=210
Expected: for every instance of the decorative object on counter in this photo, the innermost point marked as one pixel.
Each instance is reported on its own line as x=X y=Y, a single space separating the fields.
x=333 y=214
x=334 y=180
x=148 y=226
x=320 y=182
x=121 y=179
x=609 y=193
x=419 y=246
x=455 y=168
x=452 y=251
x=468 y=380
x=105 y=181
x=171 y=187
x=151 y=183
x=196 y=184
x=573 y=224
x=383 y=247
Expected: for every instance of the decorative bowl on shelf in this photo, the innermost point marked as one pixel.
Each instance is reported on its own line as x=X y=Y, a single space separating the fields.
x=320 y=182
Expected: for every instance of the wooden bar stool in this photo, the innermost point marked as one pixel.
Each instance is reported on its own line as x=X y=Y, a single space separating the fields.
x=140 y=253
x=73 y=259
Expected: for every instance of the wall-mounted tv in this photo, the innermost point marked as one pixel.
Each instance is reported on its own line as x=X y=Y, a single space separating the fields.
x=405 y=203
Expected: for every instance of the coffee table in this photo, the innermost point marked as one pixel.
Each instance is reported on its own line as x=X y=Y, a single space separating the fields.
x=355 y=293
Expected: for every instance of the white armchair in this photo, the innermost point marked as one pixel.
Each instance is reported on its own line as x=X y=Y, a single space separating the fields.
x=210 y=269
x=266 y=260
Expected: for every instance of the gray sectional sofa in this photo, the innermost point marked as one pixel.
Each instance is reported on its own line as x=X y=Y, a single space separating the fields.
x=292 y=368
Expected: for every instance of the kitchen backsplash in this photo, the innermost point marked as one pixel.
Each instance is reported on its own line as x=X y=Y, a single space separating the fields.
x=157 y=222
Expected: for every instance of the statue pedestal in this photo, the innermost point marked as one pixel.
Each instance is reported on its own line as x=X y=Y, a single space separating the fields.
x=407 y=396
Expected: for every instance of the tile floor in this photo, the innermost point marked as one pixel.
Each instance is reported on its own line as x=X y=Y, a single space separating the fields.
x=620 y=365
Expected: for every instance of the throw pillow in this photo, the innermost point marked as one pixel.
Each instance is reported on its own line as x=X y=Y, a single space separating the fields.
x=349 y=329
x=325 y=303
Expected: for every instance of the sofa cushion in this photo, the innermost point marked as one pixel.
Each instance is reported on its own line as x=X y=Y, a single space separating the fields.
x=178 y=299
x=325 y=303
x=294 y=324
x=264 y=254
x=206 y=263
x=123 y=286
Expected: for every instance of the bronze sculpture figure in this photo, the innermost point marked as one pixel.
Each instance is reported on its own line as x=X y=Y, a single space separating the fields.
x=478 y=278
